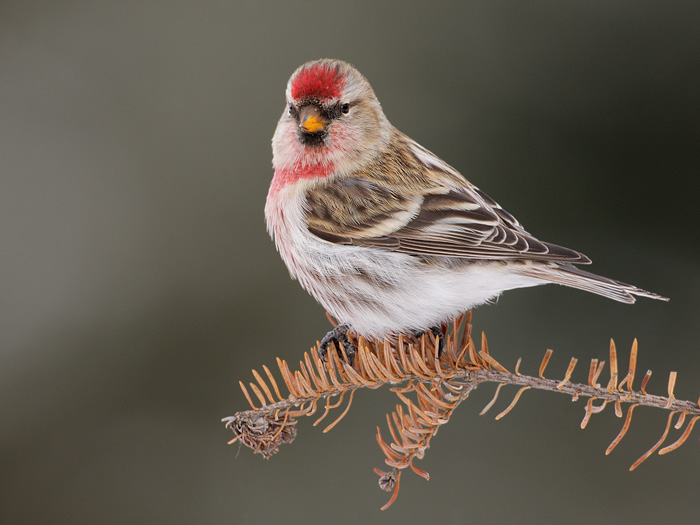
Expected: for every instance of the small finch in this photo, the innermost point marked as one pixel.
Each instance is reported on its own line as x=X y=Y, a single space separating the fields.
x=389 y=238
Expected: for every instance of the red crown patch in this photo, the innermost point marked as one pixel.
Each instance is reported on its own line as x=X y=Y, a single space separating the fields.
x=320 y=81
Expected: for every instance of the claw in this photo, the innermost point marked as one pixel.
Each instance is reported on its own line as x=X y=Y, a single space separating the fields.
x=336 y=337
x=435 y=330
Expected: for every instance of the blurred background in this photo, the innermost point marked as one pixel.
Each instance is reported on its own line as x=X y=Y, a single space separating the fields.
x=138 y=284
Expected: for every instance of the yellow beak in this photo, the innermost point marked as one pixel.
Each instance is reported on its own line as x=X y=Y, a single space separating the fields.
x=311 y=120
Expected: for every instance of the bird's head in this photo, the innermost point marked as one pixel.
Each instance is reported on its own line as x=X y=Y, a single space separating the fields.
x=332 y=116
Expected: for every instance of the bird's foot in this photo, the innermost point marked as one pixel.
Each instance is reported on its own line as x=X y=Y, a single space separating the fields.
x=336 y=337
x=435 y=331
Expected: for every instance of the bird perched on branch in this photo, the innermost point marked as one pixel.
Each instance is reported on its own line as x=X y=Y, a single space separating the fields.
x=388 y=237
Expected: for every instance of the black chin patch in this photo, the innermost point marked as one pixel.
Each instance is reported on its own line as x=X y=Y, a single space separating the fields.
x=312 y=139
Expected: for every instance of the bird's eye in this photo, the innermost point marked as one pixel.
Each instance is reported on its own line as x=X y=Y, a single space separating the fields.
x=345 y=108
x=291 y=109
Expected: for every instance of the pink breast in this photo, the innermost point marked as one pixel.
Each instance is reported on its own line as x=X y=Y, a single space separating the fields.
x=283 y=176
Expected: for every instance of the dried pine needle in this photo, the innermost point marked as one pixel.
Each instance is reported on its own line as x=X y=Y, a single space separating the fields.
x=612 y=384
x=645 y=380
x=671 y=387
x=492 y=362
x=352 y=393
x=273 y=382
x=569 y=371
x=657 y=445
x=394 y=494
x=673 y=446
x=247 y=395
x=493 y=400
x=263 y=385
x=598 y=371
x=545 y=361
x=622 y=433
x=512 y=403
x=517 y=366
x=258 y=394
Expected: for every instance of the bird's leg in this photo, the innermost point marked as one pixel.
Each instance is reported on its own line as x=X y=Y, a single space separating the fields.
x=336 y=337
x=437 y=332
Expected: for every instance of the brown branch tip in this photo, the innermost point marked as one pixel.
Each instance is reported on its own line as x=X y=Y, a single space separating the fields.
x=430 y=383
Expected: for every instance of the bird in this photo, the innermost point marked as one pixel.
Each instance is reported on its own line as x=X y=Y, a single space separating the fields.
x=385 y=235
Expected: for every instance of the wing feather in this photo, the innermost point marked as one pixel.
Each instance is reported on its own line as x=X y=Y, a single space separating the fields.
x=429 y=209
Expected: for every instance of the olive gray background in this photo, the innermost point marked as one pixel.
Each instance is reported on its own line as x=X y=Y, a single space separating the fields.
x=138 y=284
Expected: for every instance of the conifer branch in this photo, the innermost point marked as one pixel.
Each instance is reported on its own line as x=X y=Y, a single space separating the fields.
x=430 y=385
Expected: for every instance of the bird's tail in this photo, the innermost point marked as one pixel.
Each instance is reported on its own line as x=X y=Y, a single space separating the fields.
x=570 y=275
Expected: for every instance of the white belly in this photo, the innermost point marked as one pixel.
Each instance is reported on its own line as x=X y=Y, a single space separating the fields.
x=378 y=292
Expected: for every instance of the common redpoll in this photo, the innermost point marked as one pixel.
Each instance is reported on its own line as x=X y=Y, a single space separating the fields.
x=385 y=235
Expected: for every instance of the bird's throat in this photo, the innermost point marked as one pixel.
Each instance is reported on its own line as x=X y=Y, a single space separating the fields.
x=286 y=176
x=316 y=139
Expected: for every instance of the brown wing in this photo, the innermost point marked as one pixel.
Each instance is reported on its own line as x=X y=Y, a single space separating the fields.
x=430 y=211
